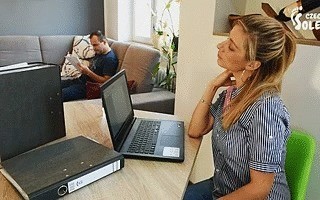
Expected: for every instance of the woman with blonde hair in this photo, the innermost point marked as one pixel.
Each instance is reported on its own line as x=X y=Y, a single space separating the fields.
x=249 y=121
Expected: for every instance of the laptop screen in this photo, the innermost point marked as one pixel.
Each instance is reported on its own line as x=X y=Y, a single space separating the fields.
x=117 y=105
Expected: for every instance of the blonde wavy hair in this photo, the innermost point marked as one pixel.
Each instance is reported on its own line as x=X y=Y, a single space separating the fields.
x=269 y=43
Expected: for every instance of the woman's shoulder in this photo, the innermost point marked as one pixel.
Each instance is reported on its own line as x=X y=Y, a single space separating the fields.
x=272 y=98
x=270 y=101
x=268 y=104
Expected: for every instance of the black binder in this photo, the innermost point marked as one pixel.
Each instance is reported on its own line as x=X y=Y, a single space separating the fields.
x=32 y=115
x=31 y=107
x=55 y=170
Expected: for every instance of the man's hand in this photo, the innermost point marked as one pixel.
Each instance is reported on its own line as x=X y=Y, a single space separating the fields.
x=84 y=69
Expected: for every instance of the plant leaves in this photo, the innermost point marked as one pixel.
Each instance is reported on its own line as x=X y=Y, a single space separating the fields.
x=156 y=69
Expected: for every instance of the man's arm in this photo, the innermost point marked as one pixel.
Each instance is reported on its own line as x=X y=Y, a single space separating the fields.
x=99 y=79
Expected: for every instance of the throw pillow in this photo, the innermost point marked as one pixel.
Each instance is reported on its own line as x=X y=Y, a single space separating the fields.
x=84 y=51
x=92 y=90
x=132 y=85
x=82 y=47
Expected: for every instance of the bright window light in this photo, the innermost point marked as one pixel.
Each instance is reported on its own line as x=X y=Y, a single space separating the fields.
x=144 y=23
x=142 y=20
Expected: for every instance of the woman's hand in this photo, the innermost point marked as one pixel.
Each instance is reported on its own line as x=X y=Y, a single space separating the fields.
x=202 y=121
x=223 y=79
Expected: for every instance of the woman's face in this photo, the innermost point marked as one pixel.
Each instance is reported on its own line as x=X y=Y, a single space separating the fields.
x=231 y=54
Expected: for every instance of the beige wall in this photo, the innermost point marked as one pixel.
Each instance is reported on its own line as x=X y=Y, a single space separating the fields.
x=111 y=18
x=197 y=65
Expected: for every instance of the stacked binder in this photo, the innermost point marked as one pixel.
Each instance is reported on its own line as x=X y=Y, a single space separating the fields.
x=55 y=170
x=32 y=116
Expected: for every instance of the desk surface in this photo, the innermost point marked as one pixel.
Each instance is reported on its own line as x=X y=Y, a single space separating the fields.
x=139 y=179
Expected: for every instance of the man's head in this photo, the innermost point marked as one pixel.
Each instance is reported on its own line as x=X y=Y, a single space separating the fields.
x=99 y=42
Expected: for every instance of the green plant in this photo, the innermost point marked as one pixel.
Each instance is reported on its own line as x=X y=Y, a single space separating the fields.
x=169 y=59
x=166 y=40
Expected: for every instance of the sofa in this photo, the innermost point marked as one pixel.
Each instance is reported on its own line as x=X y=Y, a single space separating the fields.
x=138 y=61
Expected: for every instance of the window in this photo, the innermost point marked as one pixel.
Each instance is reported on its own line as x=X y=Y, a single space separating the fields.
x=147 y=15
x=142 y=20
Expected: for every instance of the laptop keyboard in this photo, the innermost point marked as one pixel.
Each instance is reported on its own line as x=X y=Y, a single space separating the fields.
x=145 y=139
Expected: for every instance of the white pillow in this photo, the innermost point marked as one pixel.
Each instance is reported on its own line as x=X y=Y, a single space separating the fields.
x=82 y=47
x=84 y=50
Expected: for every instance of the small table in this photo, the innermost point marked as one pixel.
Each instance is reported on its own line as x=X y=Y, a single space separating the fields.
x=139 y=179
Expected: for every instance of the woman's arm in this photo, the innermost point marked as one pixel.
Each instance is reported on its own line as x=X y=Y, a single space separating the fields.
x=201 y=120
x=258 y=188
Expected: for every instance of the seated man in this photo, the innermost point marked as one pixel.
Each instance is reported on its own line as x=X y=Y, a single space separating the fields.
x=104 y=66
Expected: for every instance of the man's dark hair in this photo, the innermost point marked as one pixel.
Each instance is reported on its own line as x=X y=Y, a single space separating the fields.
x=99 y=34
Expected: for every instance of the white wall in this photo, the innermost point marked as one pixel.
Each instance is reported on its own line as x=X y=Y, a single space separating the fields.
x=197 y=65
x=111 y=18
x=118 y=15
x=125 y=10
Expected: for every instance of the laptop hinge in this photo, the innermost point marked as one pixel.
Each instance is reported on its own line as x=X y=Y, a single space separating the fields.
x=127 y=129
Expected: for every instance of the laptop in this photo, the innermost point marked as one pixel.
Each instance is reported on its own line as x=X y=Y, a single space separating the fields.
x=140 y=138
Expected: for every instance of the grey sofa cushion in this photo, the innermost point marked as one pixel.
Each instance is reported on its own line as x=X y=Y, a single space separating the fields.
x=159 y=100
x=54 y=48
x=139 y=62
x=16 y=49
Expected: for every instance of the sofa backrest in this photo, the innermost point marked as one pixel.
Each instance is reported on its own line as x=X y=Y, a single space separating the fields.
x=138 y=61
x=16 y=49
x=47 y=49
x=54 y=48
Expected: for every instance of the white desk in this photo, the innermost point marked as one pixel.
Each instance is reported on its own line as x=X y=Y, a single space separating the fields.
x=139 y=179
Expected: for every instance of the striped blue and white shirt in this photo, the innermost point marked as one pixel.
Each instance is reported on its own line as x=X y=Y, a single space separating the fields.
x=256 y=141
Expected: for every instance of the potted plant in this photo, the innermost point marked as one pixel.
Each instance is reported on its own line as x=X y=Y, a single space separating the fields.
x=165 y=38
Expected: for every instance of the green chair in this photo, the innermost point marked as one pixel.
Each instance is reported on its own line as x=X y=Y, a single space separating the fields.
x=300 y=154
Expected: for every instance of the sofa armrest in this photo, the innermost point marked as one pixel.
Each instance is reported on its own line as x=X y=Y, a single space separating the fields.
x=159 y=100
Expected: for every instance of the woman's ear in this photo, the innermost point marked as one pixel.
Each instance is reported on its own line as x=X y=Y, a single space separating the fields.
x=253 y=65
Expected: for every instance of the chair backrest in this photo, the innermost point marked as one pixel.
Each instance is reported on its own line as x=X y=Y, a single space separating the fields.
x=300 y=154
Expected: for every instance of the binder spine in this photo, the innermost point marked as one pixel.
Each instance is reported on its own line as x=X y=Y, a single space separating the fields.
x=91 y=177
x=79 y=182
